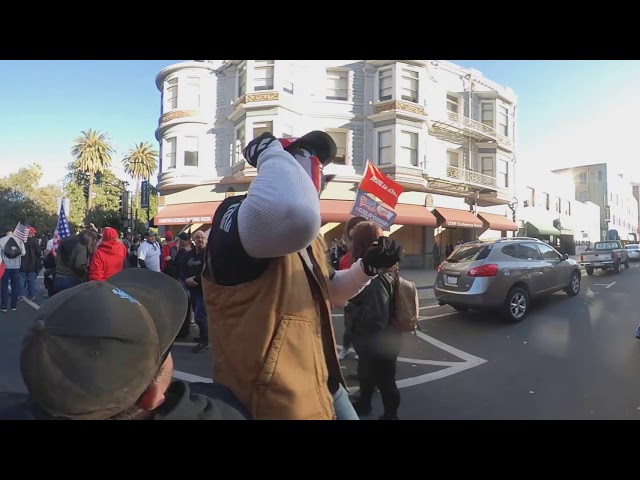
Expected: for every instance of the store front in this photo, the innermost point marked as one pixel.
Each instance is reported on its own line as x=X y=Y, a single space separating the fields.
x=186 y=217
x=455 y=226
x=496 y=226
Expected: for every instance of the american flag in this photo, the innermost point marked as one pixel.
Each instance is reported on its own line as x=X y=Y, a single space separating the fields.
x=62 y=231
x=22 y=232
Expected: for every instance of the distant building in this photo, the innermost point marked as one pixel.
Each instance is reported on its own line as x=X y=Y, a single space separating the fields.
x=612 y=193
x=547 y=210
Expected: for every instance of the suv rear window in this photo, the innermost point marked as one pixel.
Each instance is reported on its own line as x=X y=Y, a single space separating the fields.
x=470 y=253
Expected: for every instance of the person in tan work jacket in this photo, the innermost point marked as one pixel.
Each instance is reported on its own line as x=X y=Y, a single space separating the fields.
x=269 y=288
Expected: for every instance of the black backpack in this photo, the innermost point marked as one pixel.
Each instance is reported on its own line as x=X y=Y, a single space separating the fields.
x=11 y=248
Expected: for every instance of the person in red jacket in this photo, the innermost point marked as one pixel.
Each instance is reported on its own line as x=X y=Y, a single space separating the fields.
x=169 y=251
x=108 y=259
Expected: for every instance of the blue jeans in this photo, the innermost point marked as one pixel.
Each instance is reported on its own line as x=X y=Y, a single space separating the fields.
x=342 y=405
x=10 y=275
x=200 y=314
x=62 y=282
x=29 y=281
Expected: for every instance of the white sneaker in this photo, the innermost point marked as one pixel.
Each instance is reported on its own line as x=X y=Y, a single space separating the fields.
x=344 y=353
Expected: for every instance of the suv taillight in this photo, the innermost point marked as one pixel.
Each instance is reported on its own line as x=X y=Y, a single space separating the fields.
x=490 y=270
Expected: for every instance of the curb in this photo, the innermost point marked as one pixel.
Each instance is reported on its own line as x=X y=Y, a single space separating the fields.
x=428 y=287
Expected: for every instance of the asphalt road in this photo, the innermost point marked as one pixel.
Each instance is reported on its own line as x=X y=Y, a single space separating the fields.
x=571 y=358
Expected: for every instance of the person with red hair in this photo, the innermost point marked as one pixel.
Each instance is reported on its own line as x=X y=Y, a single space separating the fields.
x=109 y=256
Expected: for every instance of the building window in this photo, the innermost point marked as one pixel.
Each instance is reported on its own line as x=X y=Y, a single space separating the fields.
x=170 y=152
x=263 y=71
x=242 y=80
x=453 y=158
x=503 y=173
x=238 y=144
x=262 y=127
x=599 y=175
x=409 y=148
x=191 y=152
x=340 y=137
x=171 y=97
x=337 y=84
x=583 y=178
x=546 y=201
x=192 y=95
x=385 y=84
x=384 y=147
x=503 y=120
x=287 y=86
x=453 y=103
x=584 y=197
x=558 y=205
x=409 y=86
x=532 y=196
x=486 y=113
x=486 y=165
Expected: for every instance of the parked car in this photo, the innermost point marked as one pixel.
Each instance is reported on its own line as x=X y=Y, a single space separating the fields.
x=607 y=255
x=504 y=275
x=633 y=251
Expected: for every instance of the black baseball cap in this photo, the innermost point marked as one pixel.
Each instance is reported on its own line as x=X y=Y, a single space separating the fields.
x=95 y=348
x=320 y=143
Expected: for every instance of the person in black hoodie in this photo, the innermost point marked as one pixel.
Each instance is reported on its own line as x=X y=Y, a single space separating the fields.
x=102 y=351
x=195 y=262
x=30 y=265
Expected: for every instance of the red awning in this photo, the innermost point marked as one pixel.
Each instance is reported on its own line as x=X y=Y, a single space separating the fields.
x=339 y=211
x=453 y=218
x=185 y=213
x=498 y=222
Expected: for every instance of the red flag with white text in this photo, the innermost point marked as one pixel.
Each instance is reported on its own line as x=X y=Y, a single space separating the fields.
x=377 y=183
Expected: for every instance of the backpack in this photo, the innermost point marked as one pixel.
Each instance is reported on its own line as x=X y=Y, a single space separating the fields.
x=11 y=248
x=407 y=305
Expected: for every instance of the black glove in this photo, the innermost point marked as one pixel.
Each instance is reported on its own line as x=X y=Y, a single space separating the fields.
x=256 y=146
x=384 y=253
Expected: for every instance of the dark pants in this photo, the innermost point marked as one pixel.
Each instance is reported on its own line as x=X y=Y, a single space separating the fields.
x=200 y=314
x=11 y=275
x=436 y=261
x=29 y=283
x=376 y=369
x=62 y=282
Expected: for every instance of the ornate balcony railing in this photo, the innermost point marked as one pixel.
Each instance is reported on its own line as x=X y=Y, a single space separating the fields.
x=469 y=176
x=479 y=127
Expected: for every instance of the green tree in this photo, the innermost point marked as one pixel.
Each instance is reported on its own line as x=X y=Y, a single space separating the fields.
x=140 y=163
x=92 y=155
x=22 y=200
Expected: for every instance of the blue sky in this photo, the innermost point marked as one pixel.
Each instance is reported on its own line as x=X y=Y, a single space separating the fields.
x=569 y=112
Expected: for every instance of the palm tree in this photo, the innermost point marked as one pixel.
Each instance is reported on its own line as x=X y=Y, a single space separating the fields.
x=92 y=154
x=141 y=163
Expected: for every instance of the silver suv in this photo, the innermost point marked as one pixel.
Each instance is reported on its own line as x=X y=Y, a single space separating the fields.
x=504 y=275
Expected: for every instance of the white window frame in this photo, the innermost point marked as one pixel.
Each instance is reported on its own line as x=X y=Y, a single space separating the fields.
x=171 y=154
x=340 y=72
x=407 y=68
x=171 y=86
x=499 y=178
x=262 y=125
x=458 y=103
x=583 y=198
x=243 y=71
x=457 y=154
x=391 y=147
x=379 y=95
x=582 y=178
x=239 y=142
x=492 y=163
x=197 y=151
x=258 y=67
x=347 y=143
x=493 y=114
x=400 y=160
x=191 y=98
x=499 y=123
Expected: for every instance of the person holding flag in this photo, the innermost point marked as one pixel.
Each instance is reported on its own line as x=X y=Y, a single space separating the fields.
x=11 y=252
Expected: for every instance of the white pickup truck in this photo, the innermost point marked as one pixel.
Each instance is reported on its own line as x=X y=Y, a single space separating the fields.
x=609 y=255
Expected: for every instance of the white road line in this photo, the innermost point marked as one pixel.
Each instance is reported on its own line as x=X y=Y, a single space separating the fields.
x=31 y=304
x=438 y=316
x=185 y=344
x=610 y=285
x=432 y=306
x=187 y=377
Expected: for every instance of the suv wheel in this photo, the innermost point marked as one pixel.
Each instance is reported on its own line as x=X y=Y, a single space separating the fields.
x=516 y=304
x=574 y=285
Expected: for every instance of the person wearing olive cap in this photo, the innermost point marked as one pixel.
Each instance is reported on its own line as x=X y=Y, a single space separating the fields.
x=269 y=288
x=102 y=351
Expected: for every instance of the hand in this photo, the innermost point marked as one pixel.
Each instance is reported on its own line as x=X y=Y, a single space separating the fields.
x=167 y=258
x=255 y=147
x=383 y=254
x=190 y=282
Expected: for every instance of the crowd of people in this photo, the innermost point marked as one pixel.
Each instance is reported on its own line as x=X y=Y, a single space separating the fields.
x=261 y=289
